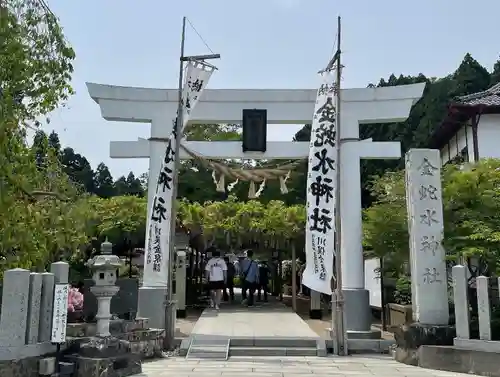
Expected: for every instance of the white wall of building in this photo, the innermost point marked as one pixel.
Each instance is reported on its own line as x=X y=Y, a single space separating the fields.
x=488 y=140
x=461 y=140
x=488 y=135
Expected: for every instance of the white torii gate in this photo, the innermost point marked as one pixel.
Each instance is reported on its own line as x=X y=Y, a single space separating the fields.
x=284 y=106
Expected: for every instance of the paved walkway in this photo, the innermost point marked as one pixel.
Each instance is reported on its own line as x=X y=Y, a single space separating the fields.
x=351 y=366
x=272 y=319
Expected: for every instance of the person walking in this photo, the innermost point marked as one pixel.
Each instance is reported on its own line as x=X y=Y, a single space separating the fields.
x=216 y=271
x=249 y=278
x=230 y=281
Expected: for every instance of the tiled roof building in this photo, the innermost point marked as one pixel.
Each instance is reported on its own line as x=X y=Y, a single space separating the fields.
x=471 y=129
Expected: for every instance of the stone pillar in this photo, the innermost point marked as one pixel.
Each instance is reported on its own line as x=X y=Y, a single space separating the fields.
x=425 y=223
x=46 y=307
x=103 y=312
x=315 y=312
x=14 y=316
x=356 y=298
x=461 y=301
x=180 y=284
x=60 y=271
x=34 y=313
x=152 y=300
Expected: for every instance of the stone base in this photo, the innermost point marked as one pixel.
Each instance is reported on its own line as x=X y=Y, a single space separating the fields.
x=410 y=338
x=370 y=334
x=315 y=314
x=152 y=305
x=181 y=313
x=119 y=366
x=26 y=367
x=357 y=312
x=110 y=357
x=459 y=360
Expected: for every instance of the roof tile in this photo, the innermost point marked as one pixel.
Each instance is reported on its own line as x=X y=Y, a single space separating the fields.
x=488 y=97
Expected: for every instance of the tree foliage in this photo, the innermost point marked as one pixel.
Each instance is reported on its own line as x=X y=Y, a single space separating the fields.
x=234 y=224
x=471 y=203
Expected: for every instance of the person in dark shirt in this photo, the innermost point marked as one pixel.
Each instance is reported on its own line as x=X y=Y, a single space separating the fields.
x=231 y=272
x=263 y=281
x=249 y=276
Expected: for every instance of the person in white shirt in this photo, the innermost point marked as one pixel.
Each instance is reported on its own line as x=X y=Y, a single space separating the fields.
x=216 y=271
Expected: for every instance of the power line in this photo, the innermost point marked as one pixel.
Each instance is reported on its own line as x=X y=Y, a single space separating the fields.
x=199 y=35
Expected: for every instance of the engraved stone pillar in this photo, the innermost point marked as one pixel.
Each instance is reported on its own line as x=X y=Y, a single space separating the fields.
x=425 y=223
x=315 y=312
x=46 y=306
x=14 y=316
x=483 y=307
x=34 y=298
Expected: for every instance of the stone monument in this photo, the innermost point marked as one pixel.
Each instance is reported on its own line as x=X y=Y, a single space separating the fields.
x=429 y=284
x=104 y=273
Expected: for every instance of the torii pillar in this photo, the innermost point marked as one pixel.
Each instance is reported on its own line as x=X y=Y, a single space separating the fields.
x=296 y=106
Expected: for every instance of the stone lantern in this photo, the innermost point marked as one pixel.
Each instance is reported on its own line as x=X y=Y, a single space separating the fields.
x=104 y=269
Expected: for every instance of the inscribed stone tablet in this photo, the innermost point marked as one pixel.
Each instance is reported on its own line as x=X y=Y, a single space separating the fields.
x=16 y=285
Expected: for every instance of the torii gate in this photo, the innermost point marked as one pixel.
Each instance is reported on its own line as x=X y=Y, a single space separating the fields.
x=284 y=106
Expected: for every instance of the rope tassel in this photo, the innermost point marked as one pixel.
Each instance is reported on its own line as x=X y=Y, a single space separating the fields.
x=251 y=190
x=221 y=185
x=261 y=189
x=230 y=187
x=214 y=178
x=283 y=188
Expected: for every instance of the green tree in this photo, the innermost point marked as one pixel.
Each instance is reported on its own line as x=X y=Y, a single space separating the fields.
x=36 y=202
x=78 y=169
x=54 y=142
x=470 y=204
x=495 y=75
x=40 y=148
x=134 y=185
x=470 y=77
x=103 y=182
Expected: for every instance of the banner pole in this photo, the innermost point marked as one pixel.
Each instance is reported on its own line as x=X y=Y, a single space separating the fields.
x=340 y=343
x=170 y=314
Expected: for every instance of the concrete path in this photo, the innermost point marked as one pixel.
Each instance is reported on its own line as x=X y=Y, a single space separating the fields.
x=264 y=320
x=351 y=366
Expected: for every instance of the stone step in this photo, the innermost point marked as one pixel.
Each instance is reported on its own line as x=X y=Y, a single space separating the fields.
x=366 y=345
x=203 y=348
x=274 y=342
x=273 y=351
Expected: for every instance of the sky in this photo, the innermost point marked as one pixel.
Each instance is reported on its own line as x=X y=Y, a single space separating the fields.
x=264 y=44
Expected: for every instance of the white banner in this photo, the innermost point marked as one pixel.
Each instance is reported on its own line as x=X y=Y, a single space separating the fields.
x=156 y=257
x=321 y=183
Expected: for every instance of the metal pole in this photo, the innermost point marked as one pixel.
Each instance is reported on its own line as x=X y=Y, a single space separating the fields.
x=340 y=344
x=294 y=277
x=170 y=314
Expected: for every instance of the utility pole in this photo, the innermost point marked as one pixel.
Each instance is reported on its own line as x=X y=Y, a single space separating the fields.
x=338 y=333
x=170 y=307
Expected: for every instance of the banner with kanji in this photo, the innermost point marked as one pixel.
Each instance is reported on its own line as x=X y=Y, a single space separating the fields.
x=156 y=258
x=321 y=184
